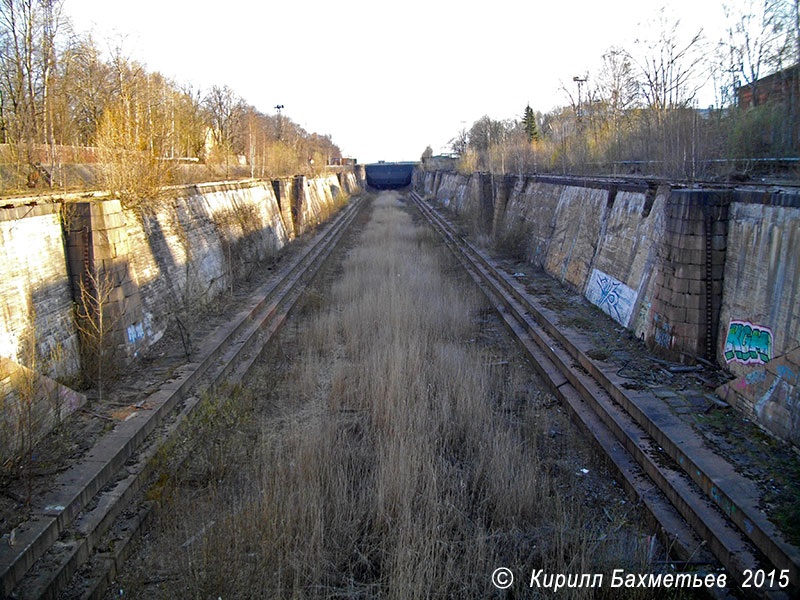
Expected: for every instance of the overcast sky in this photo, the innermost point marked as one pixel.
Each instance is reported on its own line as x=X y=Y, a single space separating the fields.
x=384 y=79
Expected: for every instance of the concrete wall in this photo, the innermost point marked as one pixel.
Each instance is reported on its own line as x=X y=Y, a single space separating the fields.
x=60 y=255
x=759 y=324
x=201 y=241
x=194 y=247
x=35 y=295
x=589 y=236
x=692 y=272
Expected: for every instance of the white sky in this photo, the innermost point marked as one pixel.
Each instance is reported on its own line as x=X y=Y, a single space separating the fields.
x=385 y=79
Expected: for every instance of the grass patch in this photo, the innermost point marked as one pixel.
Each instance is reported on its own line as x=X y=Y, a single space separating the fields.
x=388 y=456
x=772 y=464
x=578 y=323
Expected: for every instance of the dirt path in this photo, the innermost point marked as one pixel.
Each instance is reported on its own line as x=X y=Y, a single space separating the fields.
x=393 y=443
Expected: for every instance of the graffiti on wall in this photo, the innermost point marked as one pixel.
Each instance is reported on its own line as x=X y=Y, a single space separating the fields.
x=788 y=375
x=662 y=332
x=612 y=296
x=135 y=332
x=748 y=343
x=784 y=392
x=752 y=378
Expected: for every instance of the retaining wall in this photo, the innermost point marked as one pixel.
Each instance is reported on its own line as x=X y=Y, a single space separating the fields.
x=759 y=323
x=708 y=273
x=163 y=264
x=64 y=257
x=200 y=241
x=36 y=321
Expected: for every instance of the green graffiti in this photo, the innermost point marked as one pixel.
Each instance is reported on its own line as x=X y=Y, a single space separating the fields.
x=748 y=343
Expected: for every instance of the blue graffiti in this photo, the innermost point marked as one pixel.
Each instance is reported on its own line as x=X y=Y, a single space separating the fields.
x=756 y=377
x=786 y=374
x=135 y=332
x=609 y=295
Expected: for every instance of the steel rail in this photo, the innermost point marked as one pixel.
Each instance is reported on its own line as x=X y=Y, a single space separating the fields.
x=713 y=503
x=69 y=521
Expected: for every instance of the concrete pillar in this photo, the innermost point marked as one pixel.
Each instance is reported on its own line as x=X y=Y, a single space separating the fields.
x=299 y=203
x=502 y=185
x=483 y=200
x=98 y=252
x=283 y=194
x=688 y=287
x=80 y=247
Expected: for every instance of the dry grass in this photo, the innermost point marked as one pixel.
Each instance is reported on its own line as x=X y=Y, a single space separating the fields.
x=386 y=456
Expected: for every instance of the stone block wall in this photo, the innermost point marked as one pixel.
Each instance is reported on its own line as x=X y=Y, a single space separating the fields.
x=38 y=338
x=695 y=273
x=688 y=286
x=348 y=182
x=145 y=269
x=314 y=199
x=58 y=258
x=577 y=220
x=759 y=321
x=628 y=253
x=200 y=241
x=35 y=291
x=762 y=273
x=529 y=217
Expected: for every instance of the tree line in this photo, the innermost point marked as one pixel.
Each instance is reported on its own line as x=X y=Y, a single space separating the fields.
x=63 y=99
x=639 y=114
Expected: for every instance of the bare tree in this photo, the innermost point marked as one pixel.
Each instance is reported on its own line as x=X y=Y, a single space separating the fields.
x=671 y=66
x=17 y=53
x=56 y=91
x=225 y=111
x=618 y=91
x=487 y=137
x=192 y=118
x=135 y=135
x=459 y=143
x=89 y=87
x=97 y=317
x=759 y=41
x=51 y=22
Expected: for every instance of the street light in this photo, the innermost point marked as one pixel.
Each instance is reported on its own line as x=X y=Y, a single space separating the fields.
x=278 y=107
x=580 y=81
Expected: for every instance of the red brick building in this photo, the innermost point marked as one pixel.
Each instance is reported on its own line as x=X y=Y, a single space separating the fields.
x=781 y=86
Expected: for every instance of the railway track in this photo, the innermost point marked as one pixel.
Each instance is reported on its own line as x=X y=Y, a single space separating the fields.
x=707 y=513
x=99 y=496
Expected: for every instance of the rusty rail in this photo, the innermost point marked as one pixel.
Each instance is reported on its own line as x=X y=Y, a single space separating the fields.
x=696 y=497
x=69 y=522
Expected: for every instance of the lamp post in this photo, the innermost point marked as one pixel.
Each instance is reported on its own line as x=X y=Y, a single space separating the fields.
x=581 y=148
x=278 y=107
x=580 y=81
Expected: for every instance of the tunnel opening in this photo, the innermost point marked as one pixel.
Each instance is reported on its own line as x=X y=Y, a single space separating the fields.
x=389 y=176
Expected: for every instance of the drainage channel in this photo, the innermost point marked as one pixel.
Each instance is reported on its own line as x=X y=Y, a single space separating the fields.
x=96 y=493
x=699 y=501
